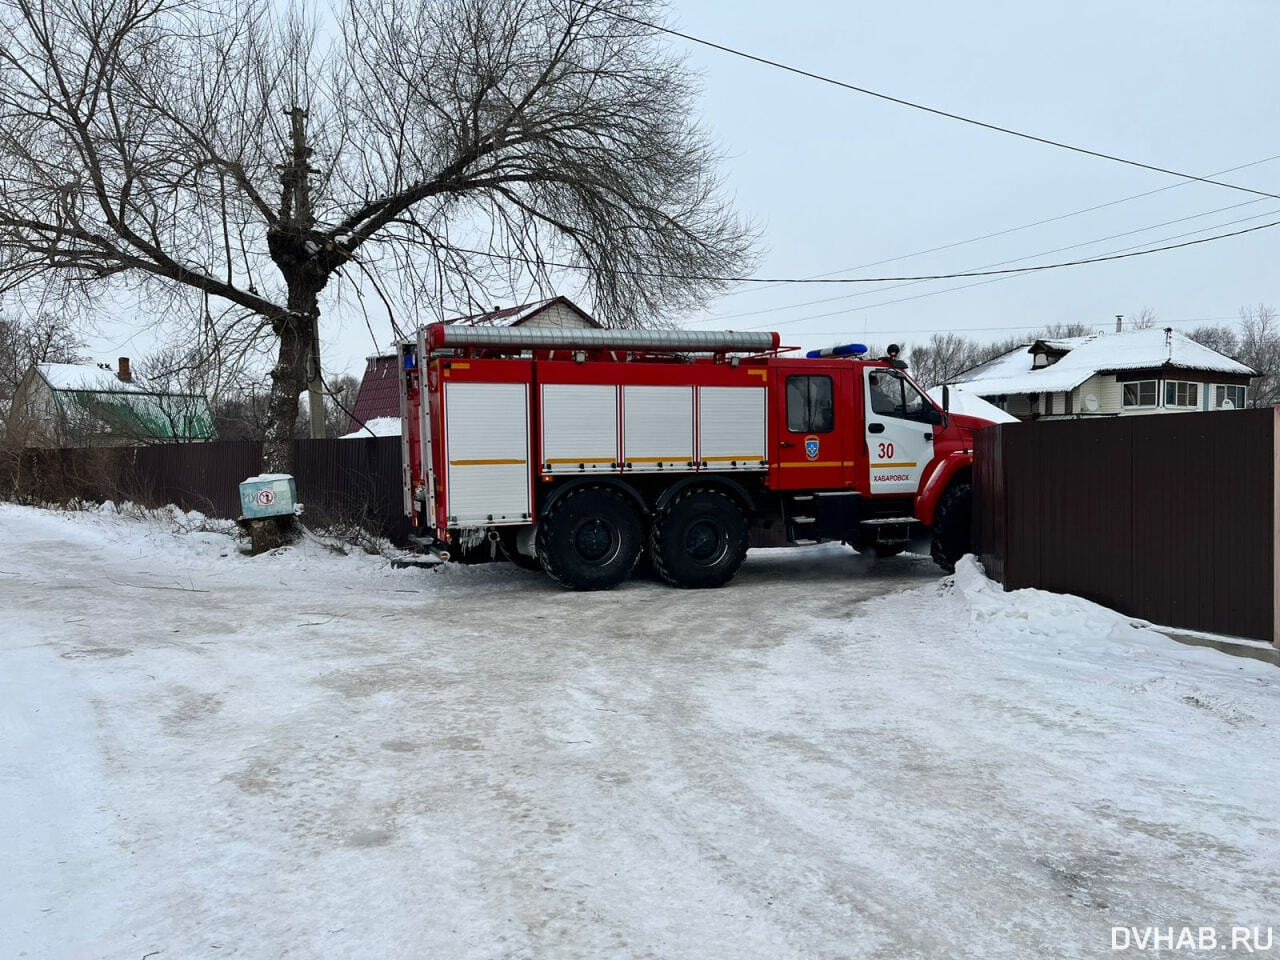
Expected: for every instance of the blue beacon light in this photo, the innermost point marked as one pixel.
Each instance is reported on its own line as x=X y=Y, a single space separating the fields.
x=844 y=350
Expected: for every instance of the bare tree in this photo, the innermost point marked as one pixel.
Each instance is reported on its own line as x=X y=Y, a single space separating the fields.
x=1257 y=345
x=1144 y=319
x=25 y=341
x=226 y=162
x=340 y=399
x=1220 y=337
x=242 y=414
x=1063 y=331
x=943 y=357
x=1260 y=349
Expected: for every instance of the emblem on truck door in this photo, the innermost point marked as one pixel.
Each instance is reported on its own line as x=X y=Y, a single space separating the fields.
x=811 y=447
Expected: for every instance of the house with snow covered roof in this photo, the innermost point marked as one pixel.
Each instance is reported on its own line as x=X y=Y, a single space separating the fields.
x=1110 y=374
x=71 y=404
x=379 y=396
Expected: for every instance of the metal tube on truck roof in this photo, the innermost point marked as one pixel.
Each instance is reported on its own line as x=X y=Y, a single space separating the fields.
x=441 y=335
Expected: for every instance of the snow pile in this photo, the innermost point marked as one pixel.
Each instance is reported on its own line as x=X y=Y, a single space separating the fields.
x=971 y=405
x=378 y=427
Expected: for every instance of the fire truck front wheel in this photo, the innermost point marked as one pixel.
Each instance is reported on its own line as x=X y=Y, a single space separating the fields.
x=699 y=539
x=951 y=520
x=589 y=539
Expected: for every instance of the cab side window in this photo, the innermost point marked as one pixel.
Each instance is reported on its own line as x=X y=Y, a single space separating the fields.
x=810 y=404
x=886 y=394
x=895 y=396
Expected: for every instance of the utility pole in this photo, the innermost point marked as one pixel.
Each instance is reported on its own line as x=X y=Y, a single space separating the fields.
x=297 y=179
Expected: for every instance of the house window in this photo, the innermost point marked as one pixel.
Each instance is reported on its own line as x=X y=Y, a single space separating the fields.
x=1180 y=393
x=810 y=407
x=1229 y=394
x=1140 y=393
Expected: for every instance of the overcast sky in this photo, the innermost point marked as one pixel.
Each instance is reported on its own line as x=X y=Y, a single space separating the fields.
x=836 y=180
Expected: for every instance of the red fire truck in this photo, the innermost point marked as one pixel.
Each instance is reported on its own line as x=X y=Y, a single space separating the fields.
x=579 y=450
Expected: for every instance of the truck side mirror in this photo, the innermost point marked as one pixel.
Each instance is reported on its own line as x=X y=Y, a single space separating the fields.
x=946 y=397
x=936 y=416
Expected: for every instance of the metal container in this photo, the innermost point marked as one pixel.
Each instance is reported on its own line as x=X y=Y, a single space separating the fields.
x=268 y=495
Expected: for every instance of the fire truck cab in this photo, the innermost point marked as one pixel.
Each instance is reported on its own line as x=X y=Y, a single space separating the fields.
x=579 y=451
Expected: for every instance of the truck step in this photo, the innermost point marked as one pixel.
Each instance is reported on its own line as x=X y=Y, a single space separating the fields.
x=888 y=521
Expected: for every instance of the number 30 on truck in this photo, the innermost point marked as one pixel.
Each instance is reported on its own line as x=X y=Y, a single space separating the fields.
x=581 y=450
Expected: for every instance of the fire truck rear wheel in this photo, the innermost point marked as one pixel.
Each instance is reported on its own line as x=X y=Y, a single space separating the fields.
x=699 y=539
x=589 y=539
x=951 y=526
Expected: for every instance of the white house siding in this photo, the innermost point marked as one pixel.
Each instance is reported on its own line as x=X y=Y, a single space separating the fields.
x=34 y=415
x=559 y=316
x=1109 y=390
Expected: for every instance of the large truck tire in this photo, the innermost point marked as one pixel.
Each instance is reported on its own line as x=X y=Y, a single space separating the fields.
x=589 y=539
x=699 y=539
x=952 y=520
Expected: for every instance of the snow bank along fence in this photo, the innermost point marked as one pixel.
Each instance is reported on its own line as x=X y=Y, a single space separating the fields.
x=1169 y=518
x=348 y=482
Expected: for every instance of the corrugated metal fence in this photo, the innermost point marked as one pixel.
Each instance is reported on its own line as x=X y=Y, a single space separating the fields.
x=348 y=482
x=1168 y=518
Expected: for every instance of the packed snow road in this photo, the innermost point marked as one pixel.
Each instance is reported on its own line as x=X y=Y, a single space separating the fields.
x=311 y=755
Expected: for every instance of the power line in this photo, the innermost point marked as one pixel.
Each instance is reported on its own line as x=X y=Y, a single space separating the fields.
x=927 y=109
x=899 y=332
x=1009 y=275
x=1017 y=229
x=1001 y=263
x=1038 y=268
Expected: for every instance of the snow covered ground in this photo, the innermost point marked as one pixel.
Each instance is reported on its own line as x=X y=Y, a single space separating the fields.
x=305 y=755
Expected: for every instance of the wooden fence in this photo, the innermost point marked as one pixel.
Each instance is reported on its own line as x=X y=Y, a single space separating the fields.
x=347 y=482
x=1171 y=518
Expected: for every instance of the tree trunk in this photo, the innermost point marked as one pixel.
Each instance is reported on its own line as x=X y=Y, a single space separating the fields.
x=297 y=332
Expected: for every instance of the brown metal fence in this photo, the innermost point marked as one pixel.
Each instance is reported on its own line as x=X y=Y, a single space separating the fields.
x=349 y=482
x=1168 y=518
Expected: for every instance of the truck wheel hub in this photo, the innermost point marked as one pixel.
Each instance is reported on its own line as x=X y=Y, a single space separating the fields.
x=704 y=542
x=595 y=541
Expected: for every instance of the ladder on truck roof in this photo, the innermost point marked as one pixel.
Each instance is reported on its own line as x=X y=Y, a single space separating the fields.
x=441 y=336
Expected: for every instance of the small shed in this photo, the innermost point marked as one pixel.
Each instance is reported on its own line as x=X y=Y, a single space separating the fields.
x=68 y=404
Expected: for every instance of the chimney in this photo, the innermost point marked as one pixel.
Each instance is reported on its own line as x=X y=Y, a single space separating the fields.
x=1119 y=322
x=123 y=374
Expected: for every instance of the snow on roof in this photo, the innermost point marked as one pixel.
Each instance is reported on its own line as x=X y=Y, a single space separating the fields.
x=1098 y=353
x=514 y=316
x=134 y=408
x=79 y=376
x=381 y=427
x=971 y=405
